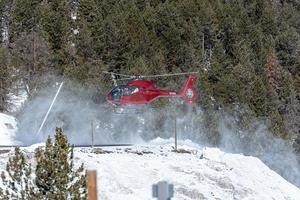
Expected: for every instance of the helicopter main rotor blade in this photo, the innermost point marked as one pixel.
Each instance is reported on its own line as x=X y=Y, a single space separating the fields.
x=125 y=75
x=163 y=75
x=126 y=79
x=130 y=77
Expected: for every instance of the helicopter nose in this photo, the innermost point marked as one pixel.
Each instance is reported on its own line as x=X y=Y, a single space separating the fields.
x=109 y=97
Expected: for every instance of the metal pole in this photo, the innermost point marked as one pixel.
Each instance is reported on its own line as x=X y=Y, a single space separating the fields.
x=92 y=184
x=175 y=133
x=92 y=126
x=46 y=116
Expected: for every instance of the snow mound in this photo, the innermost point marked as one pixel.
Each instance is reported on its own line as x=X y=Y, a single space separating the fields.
x=128 y=172
x=8 y=128
x=17 y=101
x=198 y=173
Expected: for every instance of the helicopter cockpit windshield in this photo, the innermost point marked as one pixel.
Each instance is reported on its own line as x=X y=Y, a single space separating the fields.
x=123 y=90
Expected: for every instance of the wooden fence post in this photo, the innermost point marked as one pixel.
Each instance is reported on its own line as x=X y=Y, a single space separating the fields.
x=92 y=184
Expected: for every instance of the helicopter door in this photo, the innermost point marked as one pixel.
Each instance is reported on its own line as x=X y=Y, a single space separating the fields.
x=123 y=90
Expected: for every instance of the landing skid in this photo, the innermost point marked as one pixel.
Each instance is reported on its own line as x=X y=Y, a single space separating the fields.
x=132 y=110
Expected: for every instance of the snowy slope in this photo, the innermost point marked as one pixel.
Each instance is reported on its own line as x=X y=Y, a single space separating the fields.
x=17 y=101
x=204 y=173
x=208 y=173
x=8 y=127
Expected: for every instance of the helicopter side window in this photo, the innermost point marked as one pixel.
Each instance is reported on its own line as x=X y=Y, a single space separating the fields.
x=123 y=90
x=128 y=90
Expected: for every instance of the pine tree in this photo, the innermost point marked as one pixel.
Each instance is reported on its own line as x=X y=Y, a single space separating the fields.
x=57 y=24
x=29 y=49
x=30 y=56
x=114 y=44
x=86 y=64
x=5 y=80
x=55 y=176
x=277 y=94
x=25 y=16
x=54 y=170
x=18 y=178
x=5 y=19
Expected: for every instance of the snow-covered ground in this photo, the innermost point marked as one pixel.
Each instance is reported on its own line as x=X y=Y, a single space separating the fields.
x=17 y=101
x=205 y=173
x=8 y=128
x=202 y=173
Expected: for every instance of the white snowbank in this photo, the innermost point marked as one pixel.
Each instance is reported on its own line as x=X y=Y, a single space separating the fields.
x=205 y=174
x=17 y=101
x=8 y=128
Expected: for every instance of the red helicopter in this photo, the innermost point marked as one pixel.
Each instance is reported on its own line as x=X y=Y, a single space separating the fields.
x=143 y=92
